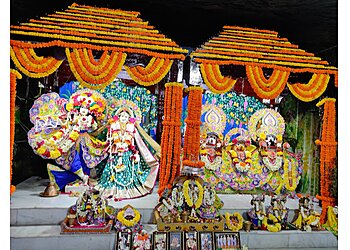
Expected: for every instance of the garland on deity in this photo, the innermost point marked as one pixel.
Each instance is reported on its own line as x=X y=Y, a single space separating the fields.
x=267 y=88
x=31 y=65
x=189 y=198
x=91 y=78
x=193 y=122
x=235 y=227
x=153 y=73
x=14 y=74
x=126 y=222
x=312 y=90
x=275 y=226
x=215 y=81
x=290 y=177
x=171 y=136
x=327 y=154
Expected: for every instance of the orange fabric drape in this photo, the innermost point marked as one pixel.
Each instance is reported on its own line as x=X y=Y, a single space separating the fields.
x=193 y=122
x=92 y=74
x=215 y=81
x=171 y=136
x=267 y=88
x=327 y=155
x=32 y=65
x=312 y=90
x=153 y=73
x=14 y=74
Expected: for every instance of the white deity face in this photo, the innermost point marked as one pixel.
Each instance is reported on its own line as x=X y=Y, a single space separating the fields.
x=84 y=111
x=124 y=117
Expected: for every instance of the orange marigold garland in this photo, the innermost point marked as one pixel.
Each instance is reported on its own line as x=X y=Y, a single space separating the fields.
x=91 y=77
x=171 y=136
x=215 y=81
x=153 y=73
x=32 y=65
x=193 y=122
x=327 y=155
x=267 y=88
x=14 y=74
x=312 y=90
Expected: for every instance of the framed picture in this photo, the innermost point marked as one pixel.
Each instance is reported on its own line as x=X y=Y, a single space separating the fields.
x=191 y=241
x=160 y=241
x=206 y=241
x=142 y=241
x=175 y=241
x=227 y=240
x=124 y=240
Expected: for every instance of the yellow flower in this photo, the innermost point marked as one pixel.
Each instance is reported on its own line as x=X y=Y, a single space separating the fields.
x=55 y=154
x=262 y=136
x=69 y=106
x=248 y=154
x=74 y=135
x=41 y=150
x=279 y=137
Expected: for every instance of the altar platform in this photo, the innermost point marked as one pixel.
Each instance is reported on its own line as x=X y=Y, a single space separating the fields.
x=35 y=222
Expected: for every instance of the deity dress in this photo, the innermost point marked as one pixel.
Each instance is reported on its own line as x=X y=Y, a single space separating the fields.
x=131 y=169
x=307 y=217
x=69 y=142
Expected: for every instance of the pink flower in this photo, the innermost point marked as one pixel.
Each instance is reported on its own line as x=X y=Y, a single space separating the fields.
x=132 y=119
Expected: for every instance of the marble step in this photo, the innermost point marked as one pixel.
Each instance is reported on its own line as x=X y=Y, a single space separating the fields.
x=29 y=208
x=42 y=237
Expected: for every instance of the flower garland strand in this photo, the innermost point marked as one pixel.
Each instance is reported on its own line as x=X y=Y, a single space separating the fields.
x=95 y=79
x=235 y=227
x=327 y=154
x=267 y=88
x=312 y=90
x=215 y=81
x=14 y=74
x=31 y=65
x=171 y=136
x=188 y=199
x=193 y=122
x=153 y=73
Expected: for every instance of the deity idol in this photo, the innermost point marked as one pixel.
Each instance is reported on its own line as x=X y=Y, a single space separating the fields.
x=307 y=218
x=131 y=169
x=69 y=142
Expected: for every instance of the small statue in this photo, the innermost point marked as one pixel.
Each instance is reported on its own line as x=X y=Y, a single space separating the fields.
x=307 y=218
x=258 y=212
x=278 y=209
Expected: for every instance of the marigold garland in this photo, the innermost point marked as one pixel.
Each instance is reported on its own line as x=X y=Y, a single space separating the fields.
x=58 y=43
x=327 y=154
x=286 y=176
x=126 y=222
x=267 y=88
x=312 y=90
x=95 y=80
x=193 y=122
x=31 y=65
x=234 y=227
x=153 y=73
x=275 y=226
x=14 y=74
x=215 y=81
x=171 y=136
x=188 y=199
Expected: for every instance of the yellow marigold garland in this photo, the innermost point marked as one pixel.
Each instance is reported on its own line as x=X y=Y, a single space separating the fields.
x=153 y=73
x=275 y=227
x=33 y=66
x=188 y=200
x=214 y=80
x=129 y=223
x=312 y=90
x=230 y=225
x=98 y=81
x=287 y=177
x=14 y=74
x=267 y=88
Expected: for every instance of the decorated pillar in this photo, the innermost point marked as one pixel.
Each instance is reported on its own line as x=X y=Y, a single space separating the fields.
x=192 y=136
x=14 y=74
x=171 y=136
x=327 y=155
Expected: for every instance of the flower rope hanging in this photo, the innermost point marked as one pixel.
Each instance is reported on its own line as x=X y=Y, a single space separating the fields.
x=171 y=136
x=193 y=122
x=267 y=88
x=312 y=90
x=327 y=154
x=153 y=73
x=100 y=75
x=14 y=74
x=215 y=81
x=32 y=65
